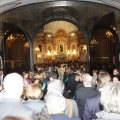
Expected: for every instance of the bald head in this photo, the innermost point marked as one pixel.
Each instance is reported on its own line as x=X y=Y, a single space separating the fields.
x=13 y=85
x=87 y=80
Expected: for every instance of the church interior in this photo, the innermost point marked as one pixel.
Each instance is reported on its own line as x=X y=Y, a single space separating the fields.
x=62 y=31
x=59 y=41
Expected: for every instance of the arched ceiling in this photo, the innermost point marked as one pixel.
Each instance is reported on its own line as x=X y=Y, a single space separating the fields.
x=31 y=15
x=6 y=5
x=52 y=27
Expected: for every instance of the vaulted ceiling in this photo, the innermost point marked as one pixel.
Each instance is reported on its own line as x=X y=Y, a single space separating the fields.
x=6 y=5
x=32 y=14
x=53 y=27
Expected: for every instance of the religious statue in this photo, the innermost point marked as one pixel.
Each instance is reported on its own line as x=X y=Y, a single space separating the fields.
x=61 y=48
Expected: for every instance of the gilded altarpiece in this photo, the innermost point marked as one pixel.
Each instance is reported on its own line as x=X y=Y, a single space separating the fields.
x=59 y=47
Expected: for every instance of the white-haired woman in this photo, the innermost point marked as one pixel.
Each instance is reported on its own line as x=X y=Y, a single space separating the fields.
x=110 y=99
x=55 y=103
x=58 y=86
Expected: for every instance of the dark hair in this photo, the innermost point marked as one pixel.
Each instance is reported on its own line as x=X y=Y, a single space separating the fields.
x=24 y=73
x=46 y=74
x=53 y=75
x=68 y=70
x=46 y=68
x=75 y=69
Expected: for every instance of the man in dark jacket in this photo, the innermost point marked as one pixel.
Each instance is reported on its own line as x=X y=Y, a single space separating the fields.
x=71 y=83
x=83 y=93
x=92 y=104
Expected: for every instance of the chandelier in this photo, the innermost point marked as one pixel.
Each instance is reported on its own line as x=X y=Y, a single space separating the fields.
x=93 y=42
x=26 y=45
x=109 y=34
x=11 y=39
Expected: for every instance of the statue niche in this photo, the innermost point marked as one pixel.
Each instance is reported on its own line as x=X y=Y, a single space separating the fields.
x=60 y=43
x=61 y=48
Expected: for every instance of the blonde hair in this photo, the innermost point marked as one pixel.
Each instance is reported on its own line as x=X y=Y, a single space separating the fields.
x=103 y=79
x=31 y=74
x=110 y=97
x=34 y=91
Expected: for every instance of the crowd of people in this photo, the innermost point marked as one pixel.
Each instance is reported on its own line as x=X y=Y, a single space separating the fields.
x=60 y=92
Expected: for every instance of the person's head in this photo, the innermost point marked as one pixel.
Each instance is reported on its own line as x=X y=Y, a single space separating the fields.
x=36 y=80
x=52 y=76
x=95 y=72
x=110 y=97
x=46 y=75
x=55 y=85
x=34 y=91
x=46 y=68
x=16 y=118
x=31 y=74
x=50 y=69
x=87 y=80
x=115 y=71
x=103 y=79
x=55 y=103
x=25 y=74
x=68 y=70
x=39 y=76
x=75 y=70
x=13 y=85
x=115 y=78
x=84 y=69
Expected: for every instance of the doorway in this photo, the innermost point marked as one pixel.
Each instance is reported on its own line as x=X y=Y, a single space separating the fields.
x=59 y=41
x=17 y=55
x=103 y=50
